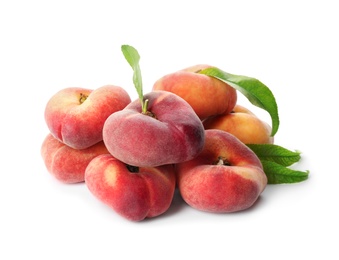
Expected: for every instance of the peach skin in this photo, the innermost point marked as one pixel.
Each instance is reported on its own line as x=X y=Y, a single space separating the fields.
x=135 y=193
x=207 y=96
x=75 y=116
x=65 y=163
x=170 y=131
x=243 y=124
x=225 y=177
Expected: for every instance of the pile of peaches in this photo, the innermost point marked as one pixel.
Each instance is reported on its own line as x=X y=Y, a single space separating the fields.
x=188 y=133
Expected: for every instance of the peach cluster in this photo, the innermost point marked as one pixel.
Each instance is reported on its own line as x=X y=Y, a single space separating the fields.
x=192 y=138
x=75 y=118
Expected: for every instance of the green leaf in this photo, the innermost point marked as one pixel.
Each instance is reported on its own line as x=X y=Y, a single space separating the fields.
x=278 y=174
x=132 y=56
x=255 y=91
x=275 y=153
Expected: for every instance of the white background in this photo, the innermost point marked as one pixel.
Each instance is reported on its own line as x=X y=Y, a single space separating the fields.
x=291 y=46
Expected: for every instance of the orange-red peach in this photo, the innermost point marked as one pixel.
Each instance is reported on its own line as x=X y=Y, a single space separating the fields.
x=135 y=193
x=75 y=116
x=225 y=177
x=243 y=124
x=207 y=96
x=66 y=164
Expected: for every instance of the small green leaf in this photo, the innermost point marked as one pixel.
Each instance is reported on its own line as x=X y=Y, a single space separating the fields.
x=278 y=174
x=132 y=56
x=275 y=153
x=255 y=91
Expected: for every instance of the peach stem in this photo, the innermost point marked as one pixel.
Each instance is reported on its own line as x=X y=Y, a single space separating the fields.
x=82 y=98
x=222 y=161
x=132 y=169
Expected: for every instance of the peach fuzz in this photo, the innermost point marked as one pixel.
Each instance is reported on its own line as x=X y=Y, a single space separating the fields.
x=225 y=177
x=207 y=96
x=66 y=164
x=75 y=116
x=169 y=133
x=132 y=192
x=243 y=124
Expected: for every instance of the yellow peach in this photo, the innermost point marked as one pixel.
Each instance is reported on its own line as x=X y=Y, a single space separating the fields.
x=243 y=124
x=207 y=95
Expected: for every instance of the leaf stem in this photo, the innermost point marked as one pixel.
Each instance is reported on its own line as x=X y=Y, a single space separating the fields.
x=132 y=56
x=144 y=106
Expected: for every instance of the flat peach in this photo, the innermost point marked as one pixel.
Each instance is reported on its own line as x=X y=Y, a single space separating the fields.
x=169 y=134
x=243 y=124
x=207 y=96
x=75 y=116
x=135 y=193
x=225 y=177
x=66 y=164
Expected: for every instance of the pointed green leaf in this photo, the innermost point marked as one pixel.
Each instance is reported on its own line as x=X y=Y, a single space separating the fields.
x=275 y=153
x=278 y=174
x=132 y=56
x=255 y=91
